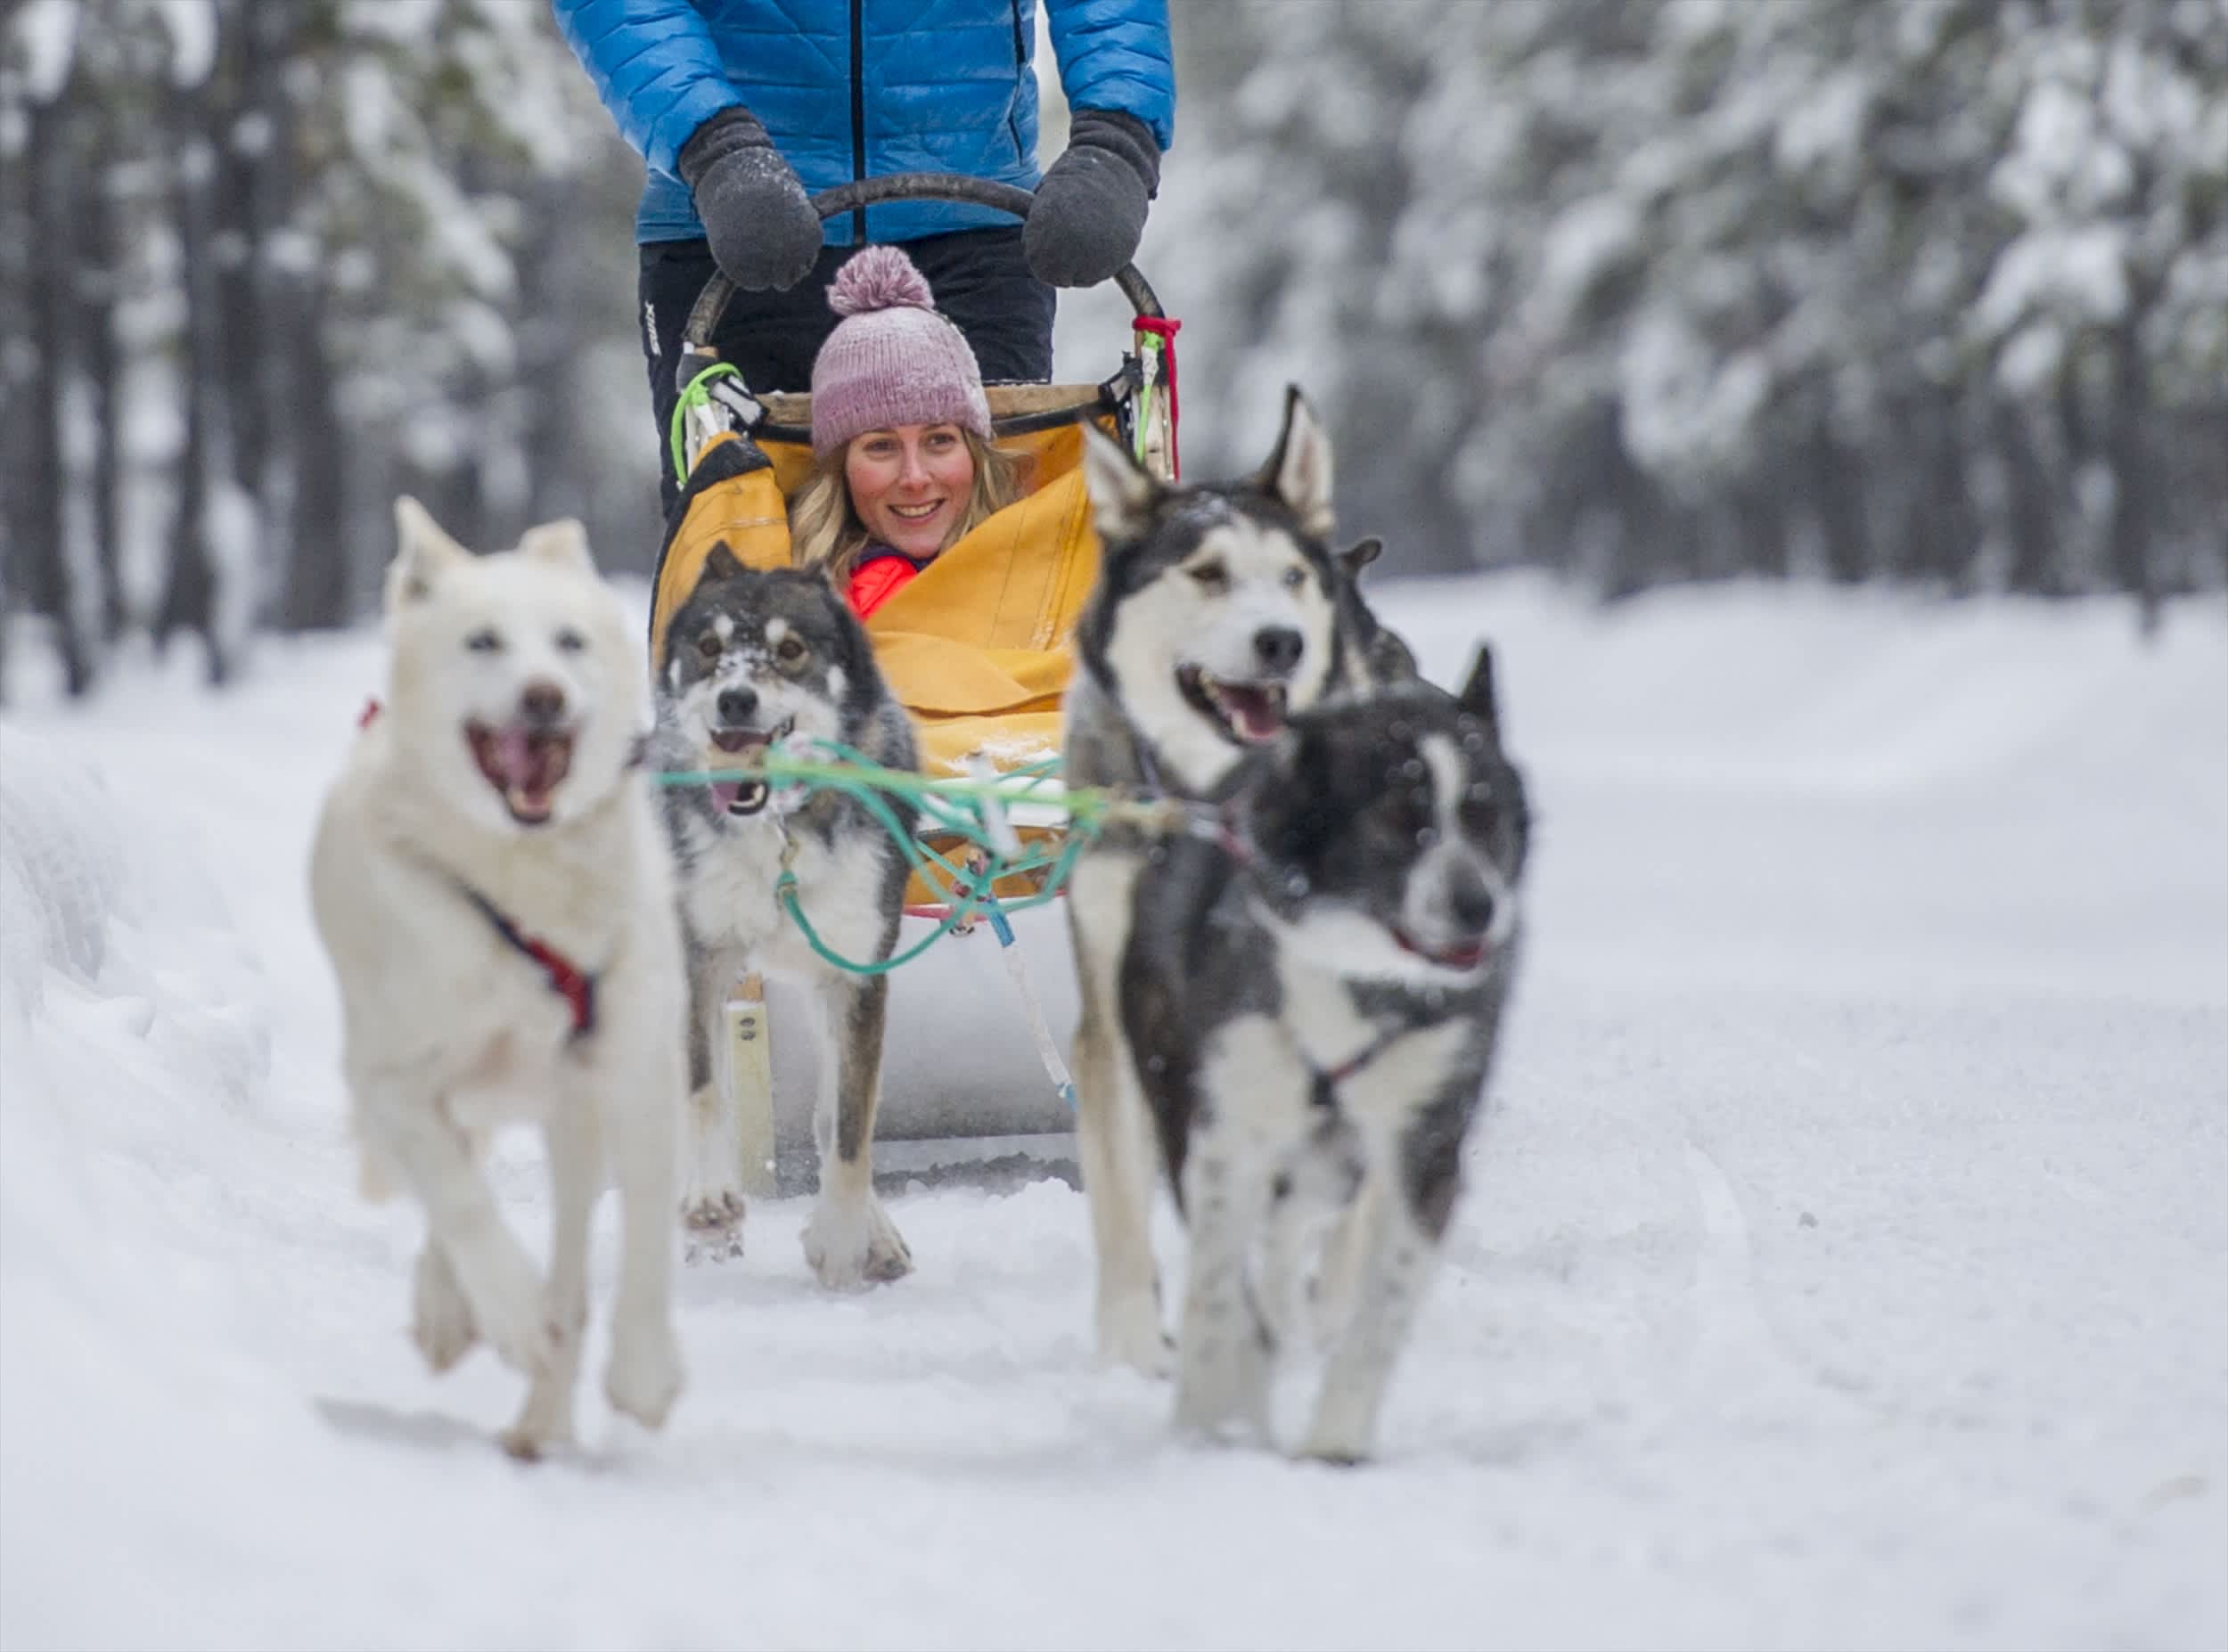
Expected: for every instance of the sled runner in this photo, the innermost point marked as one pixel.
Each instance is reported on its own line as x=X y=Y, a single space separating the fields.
x=976 y=648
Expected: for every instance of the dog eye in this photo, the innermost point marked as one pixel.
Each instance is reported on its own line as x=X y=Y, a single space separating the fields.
x=1211 y=576
x=710 y=645
x=570 y=642
x=1295 y=578
x=790 y=650
x=484 y=641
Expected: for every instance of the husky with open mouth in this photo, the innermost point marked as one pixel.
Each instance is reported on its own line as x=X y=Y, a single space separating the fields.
x=490 y=882
x=1312 y=992
x=752 y=659
x=1220 y=612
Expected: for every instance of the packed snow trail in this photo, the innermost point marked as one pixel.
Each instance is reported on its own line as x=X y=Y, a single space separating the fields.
x=1842 y=1263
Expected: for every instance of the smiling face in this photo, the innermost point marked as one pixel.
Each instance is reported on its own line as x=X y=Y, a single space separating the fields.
x=910 y=484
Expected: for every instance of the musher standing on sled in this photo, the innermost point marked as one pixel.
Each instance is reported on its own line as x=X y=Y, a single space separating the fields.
x=741 y=108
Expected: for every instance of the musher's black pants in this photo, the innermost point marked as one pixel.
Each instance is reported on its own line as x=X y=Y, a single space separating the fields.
x=978 y=277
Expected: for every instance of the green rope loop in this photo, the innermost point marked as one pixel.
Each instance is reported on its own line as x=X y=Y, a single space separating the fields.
x=785 y=892
x=696 y=393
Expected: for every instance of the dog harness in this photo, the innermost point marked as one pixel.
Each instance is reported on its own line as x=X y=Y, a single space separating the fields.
x=1324 y=1090
x=567 y=978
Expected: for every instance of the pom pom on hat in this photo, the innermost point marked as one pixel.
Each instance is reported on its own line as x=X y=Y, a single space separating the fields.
x=881 y=278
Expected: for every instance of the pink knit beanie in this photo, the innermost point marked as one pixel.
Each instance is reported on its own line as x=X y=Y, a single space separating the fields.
x=892 y=359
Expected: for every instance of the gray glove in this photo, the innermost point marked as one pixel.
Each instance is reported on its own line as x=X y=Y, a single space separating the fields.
x=757 y=216
x=1090 y=209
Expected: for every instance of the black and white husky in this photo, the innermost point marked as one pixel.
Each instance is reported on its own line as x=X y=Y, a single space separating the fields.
x=750 y=659
x=1312 y=993
x=1220 y=610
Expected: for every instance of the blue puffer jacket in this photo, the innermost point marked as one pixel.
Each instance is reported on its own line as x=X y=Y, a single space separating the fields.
x=862 y=88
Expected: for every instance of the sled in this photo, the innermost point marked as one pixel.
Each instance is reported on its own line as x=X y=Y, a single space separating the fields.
x=976 y=648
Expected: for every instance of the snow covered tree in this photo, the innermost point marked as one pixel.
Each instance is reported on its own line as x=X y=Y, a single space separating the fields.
x=1672 y=289
x=266 y=263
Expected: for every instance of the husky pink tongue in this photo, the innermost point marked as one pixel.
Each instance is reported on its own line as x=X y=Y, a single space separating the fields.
x=1256 y=710
x=734 y=749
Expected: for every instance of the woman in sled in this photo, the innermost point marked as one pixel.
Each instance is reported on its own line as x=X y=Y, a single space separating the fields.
x=903 y=463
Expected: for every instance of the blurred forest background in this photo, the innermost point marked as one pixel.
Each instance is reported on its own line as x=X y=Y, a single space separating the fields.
x=1640 y=291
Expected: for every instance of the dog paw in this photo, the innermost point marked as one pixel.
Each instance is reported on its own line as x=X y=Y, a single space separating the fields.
x=644 y=1375
x=1222 y=1385
x=1337 y=1447
x=710 y=1246
x=441 y=1319
x=545 y=1423
x=1130 y=1335
x=718 y=1207
x=1343 y=1429
x=711 y=1226
x=522 y=1444
x=853 y=1242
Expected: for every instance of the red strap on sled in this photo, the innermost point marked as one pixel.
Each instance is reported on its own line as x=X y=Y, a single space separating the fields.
x=1164 y=328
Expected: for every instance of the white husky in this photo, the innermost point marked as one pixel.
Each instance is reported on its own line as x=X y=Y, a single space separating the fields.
x=491 y=883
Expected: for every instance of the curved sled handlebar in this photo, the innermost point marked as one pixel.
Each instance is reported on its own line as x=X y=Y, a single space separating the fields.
x=949 y=186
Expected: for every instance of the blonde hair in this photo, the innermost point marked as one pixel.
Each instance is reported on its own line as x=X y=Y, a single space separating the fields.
x=825 y=529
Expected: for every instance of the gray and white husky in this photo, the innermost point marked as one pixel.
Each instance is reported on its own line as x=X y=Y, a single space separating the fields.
x=751 y=658
x=1219 y=611
x=1312 y=993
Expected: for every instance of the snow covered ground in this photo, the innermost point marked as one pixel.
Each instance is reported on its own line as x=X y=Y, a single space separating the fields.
x=1846 y=1264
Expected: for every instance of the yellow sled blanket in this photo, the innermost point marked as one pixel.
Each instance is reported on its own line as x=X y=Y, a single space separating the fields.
x=978 y=646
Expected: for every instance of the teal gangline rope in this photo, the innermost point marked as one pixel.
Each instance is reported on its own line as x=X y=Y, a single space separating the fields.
x=957 y=806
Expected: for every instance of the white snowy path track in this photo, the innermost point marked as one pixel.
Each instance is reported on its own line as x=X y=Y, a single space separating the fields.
x=1845 y=1263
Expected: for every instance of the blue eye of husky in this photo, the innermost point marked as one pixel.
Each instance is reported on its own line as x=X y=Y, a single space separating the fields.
x=1295 y=578
x=484 y=641
x=570 y=642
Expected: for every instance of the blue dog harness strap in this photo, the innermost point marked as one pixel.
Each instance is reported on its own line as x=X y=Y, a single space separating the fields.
x=567 y=979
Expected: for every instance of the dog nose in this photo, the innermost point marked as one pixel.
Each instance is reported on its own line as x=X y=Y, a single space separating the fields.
x=1278 y=647
x=542 y=701
x=736 y=704
x=1469 y=901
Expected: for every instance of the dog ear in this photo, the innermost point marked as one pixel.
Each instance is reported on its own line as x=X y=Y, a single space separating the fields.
x=1360 y=554
x=564 y=542
x=1298 y=472
x=721 y=563
x=424 y=551
x=1476 y=697
x=1122 y=494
